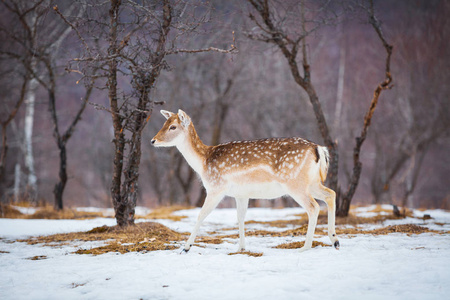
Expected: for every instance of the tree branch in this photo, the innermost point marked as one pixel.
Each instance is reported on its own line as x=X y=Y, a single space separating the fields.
x=385 y=84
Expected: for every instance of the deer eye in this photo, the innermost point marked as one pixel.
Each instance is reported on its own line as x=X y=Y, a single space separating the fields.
x=173 y=127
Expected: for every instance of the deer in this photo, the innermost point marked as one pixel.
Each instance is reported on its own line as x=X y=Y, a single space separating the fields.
x=259 y=169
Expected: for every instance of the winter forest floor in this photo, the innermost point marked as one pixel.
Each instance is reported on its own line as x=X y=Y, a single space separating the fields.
x=81 y=254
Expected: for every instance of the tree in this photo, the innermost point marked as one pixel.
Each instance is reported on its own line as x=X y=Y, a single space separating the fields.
x=22 y=42
x=276 y=27
x=140 y=36
x=408 y=131
x=344 y=205
x=10 y=116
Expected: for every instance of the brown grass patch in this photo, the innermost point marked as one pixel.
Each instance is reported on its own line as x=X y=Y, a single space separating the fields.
x=218 y=239
x=404 y=228
x=38 y=257
x=6 y=211
x=290 y=232
x=209 y=240
x=281 y=223
x=49 y=212
x=1 y=251
x=142 y=237
x=351 y=219
x=254 y=254
x=166 y=212
x=297 y=245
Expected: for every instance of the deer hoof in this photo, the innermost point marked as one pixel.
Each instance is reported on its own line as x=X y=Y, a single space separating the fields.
x=336 y=245
x=184 y=251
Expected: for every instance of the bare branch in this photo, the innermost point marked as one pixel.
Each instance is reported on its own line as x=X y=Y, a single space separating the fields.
x=385 y=84
x=232 y=49
x=56 y=10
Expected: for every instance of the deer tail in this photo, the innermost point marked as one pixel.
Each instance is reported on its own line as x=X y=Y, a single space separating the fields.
x=324 y=160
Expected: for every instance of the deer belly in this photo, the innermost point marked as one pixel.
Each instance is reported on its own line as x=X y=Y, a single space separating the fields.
x=266 y=190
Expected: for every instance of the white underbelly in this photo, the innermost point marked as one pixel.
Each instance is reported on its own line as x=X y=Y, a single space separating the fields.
x=267 y=190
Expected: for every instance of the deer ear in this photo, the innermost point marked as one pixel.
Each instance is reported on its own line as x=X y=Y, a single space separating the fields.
x=184 y=118
x=166 y=114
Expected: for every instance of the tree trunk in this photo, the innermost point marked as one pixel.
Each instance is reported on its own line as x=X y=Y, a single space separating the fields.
x=17 y=173
x=59 y=187
x=331 y=145
x=344 y=207
x=130 y=186
x=12 y=115
x=119 y=136
x=30 y=97
x=340 y=91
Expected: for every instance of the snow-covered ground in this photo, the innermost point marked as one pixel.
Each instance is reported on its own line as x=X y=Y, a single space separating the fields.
x=395 y=266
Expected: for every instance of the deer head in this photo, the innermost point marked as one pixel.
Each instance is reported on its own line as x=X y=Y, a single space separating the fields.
x=174 y=129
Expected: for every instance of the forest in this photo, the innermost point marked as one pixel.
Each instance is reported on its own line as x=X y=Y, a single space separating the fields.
x=83 y=81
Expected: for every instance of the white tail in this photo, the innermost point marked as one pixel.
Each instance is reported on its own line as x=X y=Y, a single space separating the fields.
x=262 y=169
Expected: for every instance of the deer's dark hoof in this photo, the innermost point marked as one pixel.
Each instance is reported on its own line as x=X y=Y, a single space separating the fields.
x=337 y=245
x=184 y=251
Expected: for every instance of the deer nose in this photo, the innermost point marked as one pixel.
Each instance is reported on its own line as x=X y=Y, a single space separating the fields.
x=153 y=141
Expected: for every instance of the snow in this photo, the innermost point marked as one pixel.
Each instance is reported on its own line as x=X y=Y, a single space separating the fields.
x=395 y=266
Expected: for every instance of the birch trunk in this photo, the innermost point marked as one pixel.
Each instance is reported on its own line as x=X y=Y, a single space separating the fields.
x=30 y=98
x=340 y=91
x=17 y=183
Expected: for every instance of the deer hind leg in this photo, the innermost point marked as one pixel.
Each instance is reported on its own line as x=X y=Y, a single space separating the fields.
x=329 y=196
x=211 y=201
x=241 y=207
x=312 y=209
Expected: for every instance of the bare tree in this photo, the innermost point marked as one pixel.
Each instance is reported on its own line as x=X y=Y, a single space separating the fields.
x=404 y=142
x=273 y=30
x=137 y=51
x=44 y=55
x=273 y=27
x=23 y=42
x=344 y=204
x=11 y=115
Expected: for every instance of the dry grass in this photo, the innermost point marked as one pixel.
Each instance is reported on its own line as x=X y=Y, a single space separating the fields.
x=166 y=212
x=47 y=212
x=290 y=232
x=404 y=228
x=351 y=219
x=75 y=285
x=283 y=223
x=254 y=254
x=142 y=237
x=297 y=245
x=381 y=216
x=150 y=236
x=209 y=240
x=38 y=257
x=6 y=211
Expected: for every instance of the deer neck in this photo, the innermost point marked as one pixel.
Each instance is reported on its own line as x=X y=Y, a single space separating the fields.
x=194 y=151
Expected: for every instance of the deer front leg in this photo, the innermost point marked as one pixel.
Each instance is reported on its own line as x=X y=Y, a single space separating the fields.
x=312 y=209
x=211 y=201
x=241 y=207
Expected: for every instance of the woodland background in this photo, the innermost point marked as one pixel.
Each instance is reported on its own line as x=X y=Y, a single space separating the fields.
x=249 y=94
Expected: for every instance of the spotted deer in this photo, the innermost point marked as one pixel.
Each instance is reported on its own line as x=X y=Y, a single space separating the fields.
x=262 y=169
